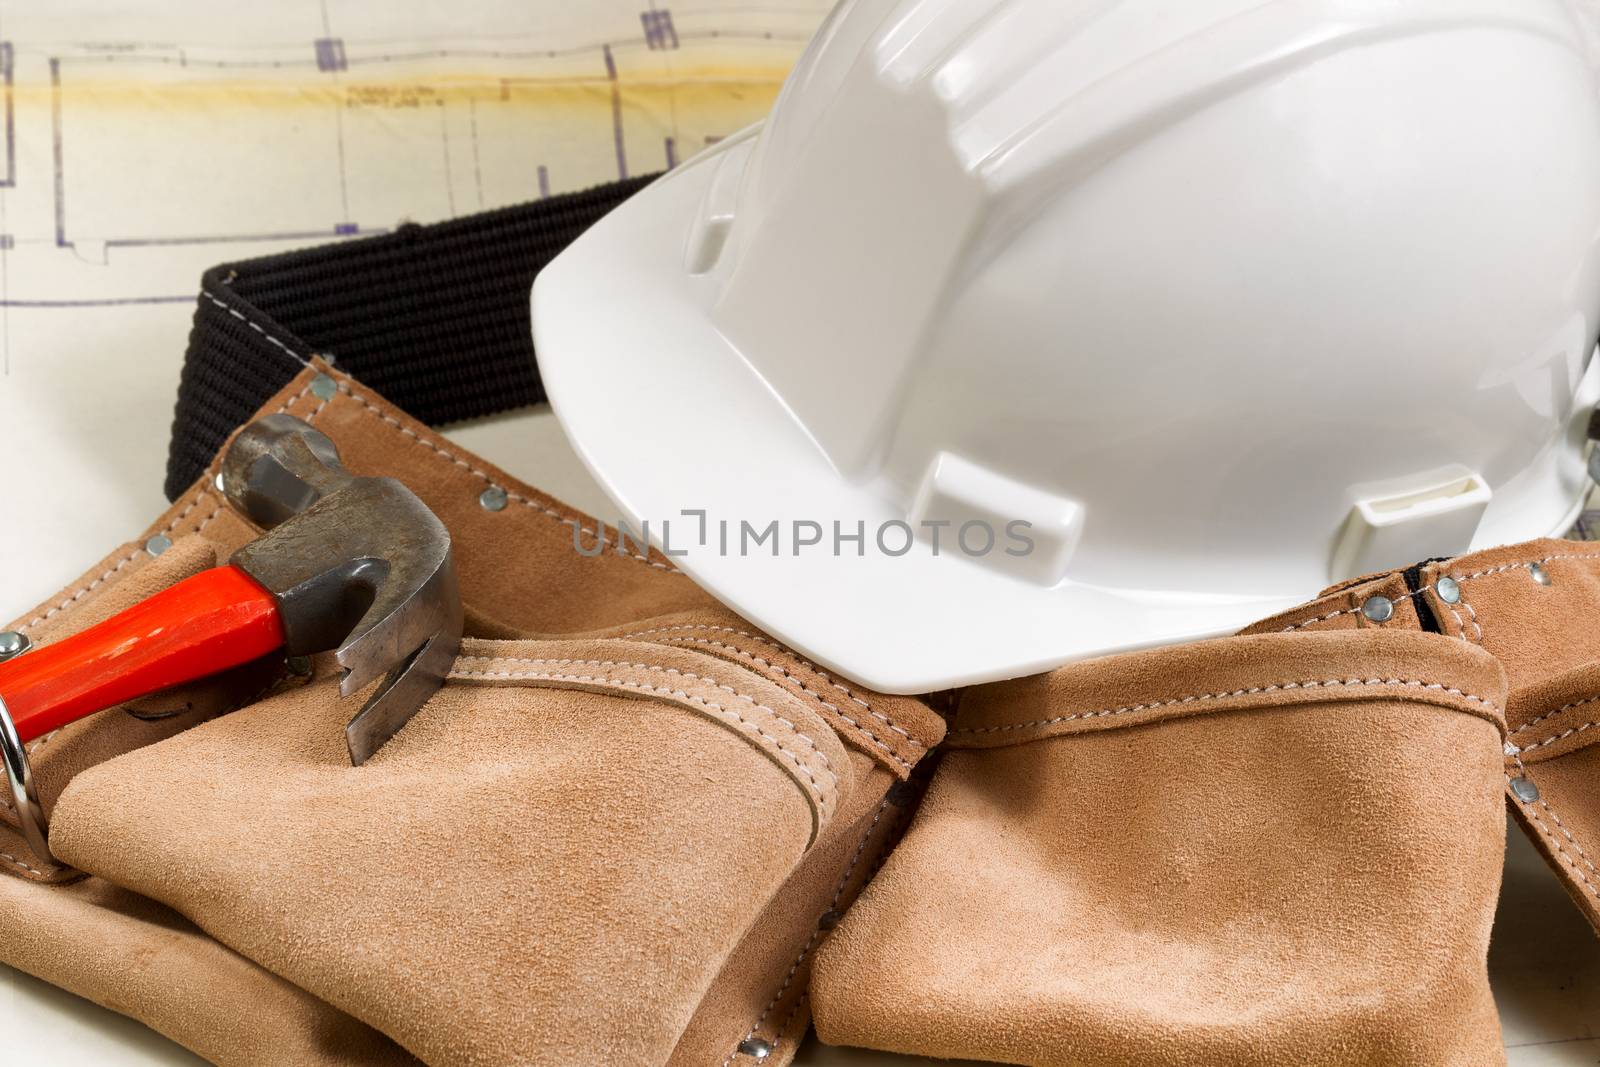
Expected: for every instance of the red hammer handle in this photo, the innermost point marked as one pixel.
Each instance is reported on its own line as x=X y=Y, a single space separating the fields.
x=218 y=619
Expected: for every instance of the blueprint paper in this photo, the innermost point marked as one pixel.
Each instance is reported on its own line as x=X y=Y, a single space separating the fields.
x=140 y=144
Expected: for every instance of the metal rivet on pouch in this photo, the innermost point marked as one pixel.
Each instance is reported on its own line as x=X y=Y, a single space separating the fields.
x=13 y=644
x=1524 y=790
x=493 y=498
x=1378 y=608
x=1539 y=574
x=1449 y=590
x=323 y=387
x=217 y=481
x=158 y=544
x=755 y=1047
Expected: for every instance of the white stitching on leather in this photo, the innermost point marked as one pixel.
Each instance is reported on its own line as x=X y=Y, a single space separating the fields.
x=1319 y=618
x=826 y=794
x=1562 y=736
x=1545 y=830
x=1333 y=683
x=1552 y=714
x=816 y=935
x=1587 y=862
x=1342 y=611
x=681 y=694
x=518 y=497
x=20 y=865
x=1474 y=615
x=293 y=400
x=207 y=520
x=812 y=667
x=1566 y=857
x=768 y=664
x=81 y=593
x=534 y=661
x=1523 y=564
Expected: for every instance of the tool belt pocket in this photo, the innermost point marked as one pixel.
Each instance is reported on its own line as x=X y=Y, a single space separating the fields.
x=1265 y=848
x=37 y=771
x=1552 y=775
x=550 y=864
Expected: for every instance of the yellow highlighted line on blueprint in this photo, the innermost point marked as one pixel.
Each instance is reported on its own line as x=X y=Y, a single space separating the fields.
x=742 y=85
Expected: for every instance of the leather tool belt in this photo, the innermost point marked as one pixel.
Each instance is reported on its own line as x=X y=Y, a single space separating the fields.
x=628 y=828
x=616 y=835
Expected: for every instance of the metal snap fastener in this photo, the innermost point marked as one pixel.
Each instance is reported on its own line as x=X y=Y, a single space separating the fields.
x=1449 y=590
x=13 y=644
x=755 y=1047
x=1524 y=790
x=493 y=498
x=1538 y=573
x=158 y=544
x=1378 y=608
x=323 y=387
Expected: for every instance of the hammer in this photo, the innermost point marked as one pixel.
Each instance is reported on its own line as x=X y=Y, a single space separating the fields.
x=354 y=564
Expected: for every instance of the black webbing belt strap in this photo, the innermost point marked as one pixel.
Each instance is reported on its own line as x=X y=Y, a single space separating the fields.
x=433 y=317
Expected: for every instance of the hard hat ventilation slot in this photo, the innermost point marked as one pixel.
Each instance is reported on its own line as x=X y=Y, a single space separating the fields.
x=1392 y=526
x=958 y=493
x=706 y=244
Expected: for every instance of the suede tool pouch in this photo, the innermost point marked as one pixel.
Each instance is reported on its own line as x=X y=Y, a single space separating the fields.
x=1258 y=850
x=1553 y=774
x=615 y=836
x=549 y=865
x=1532 y=606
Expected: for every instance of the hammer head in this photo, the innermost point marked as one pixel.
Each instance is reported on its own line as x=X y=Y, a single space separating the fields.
x=357 y=564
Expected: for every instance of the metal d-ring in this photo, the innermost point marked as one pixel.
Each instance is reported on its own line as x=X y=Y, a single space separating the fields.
x=24 y=792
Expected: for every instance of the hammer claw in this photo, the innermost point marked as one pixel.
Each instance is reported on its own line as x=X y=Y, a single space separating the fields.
x=401 y=695
x=409 y=610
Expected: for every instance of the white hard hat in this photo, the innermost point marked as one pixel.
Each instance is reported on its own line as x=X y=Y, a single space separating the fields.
x=1211 y=302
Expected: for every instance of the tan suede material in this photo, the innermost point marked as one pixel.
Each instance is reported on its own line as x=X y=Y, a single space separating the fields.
x=1554 y=754
x=140 y=958
x=1543 y=633
x=870 y=722
x=1339 y=608
x=1262 y=850
x=777 y=769
x=743 y=1003
x=539 y=832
